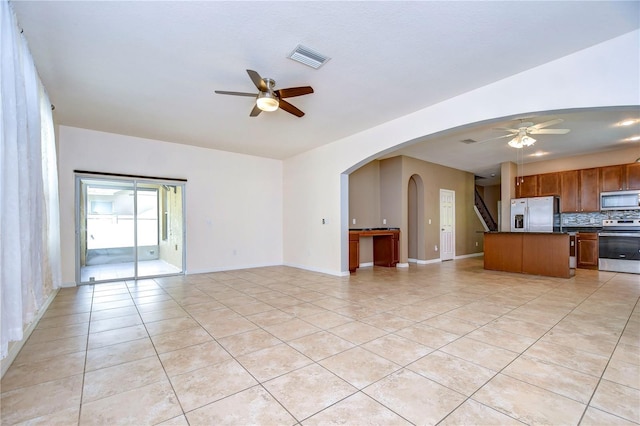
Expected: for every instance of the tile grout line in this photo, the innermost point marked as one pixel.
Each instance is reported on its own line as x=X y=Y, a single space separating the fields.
x=604 y=370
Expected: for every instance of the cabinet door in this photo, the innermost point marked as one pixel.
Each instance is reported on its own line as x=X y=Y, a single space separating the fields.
x=569 y=199
x=611 y=178
x=589 y=190
x=587 y=251
x=632 y=176
x=354 y=251
x=526 y=186
x=548 y=184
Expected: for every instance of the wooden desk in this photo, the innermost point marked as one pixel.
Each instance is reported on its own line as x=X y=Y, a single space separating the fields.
x=385 y=246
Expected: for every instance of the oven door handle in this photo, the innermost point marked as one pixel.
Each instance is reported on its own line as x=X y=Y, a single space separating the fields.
x=619 y=234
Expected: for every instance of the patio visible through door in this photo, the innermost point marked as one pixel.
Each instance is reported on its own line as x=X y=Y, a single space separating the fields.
x=128 y=228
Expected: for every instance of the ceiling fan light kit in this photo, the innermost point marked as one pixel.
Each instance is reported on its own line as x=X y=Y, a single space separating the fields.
x=521 y=141
x=268 y=99
x=522 y=135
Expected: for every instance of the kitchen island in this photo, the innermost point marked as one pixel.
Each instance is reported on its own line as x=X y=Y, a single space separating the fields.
x=535 y=253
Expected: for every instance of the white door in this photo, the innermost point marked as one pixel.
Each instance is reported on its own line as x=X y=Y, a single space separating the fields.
x=447 y=224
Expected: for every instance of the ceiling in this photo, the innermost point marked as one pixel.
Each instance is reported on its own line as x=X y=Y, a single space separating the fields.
x=150 y=68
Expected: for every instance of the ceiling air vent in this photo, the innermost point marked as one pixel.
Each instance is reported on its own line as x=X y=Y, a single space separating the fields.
x=306 y=56
x=468 y=141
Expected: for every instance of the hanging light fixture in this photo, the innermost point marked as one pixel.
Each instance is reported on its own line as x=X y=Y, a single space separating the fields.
x=268 y=100
x=521 y=140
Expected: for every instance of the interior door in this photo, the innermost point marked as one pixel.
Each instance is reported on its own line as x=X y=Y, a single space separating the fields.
x=447 y=224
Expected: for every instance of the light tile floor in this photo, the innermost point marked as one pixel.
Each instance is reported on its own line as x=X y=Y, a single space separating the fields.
x=448 y=344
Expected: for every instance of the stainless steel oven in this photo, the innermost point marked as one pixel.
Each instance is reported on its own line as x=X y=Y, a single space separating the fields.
x=619 y=246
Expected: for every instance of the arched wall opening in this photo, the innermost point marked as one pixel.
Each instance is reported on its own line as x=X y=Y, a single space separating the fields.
x=415 y=219
x=316 y=182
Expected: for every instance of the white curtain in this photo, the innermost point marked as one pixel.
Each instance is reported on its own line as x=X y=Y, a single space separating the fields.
x=29 y=211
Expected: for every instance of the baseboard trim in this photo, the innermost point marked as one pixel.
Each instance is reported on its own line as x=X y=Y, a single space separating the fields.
x=465 y=256
x=428 y=261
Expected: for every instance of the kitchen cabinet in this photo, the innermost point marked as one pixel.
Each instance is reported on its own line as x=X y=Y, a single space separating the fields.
x=386 y=242
x=587 y=250
x=632 y=176
x=611 y=178
x=579 y=190
x=548 y=184
x=589 y=188
x=526 y=186
x=354 y=251
x=536 y=253
x=569 y=193
x=620 y=178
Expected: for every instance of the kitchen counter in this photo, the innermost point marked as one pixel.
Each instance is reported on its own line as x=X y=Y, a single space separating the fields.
x=536 y=253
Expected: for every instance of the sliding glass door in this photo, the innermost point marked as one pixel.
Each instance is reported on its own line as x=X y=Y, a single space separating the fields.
x=128 y=228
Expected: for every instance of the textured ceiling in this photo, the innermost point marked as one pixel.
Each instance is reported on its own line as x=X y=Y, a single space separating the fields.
x=150 y=68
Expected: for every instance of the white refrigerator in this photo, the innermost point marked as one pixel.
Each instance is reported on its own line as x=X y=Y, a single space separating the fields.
x=537 y=214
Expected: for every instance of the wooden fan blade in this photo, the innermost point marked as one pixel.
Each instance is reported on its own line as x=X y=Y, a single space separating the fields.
x=257 y=80
x=546 y=124
x=224 y=92
x=549 y=131
x=294 y=91
x=255 y=111
x=290 y=108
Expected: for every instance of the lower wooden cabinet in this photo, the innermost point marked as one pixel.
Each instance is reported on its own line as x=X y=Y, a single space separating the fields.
x=529 y=253
x=587 y=250
x=386 y=244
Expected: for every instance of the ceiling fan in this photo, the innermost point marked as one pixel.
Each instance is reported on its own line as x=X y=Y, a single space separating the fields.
x=522 y=134
x=270 y=99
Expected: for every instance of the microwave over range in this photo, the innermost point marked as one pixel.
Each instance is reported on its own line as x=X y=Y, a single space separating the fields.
x=620 y=200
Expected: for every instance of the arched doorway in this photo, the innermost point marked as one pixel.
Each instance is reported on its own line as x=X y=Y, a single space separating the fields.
x=415 y=219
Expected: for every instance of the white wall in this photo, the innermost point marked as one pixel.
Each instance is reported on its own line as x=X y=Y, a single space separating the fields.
x=603 y=75
x=233 y=201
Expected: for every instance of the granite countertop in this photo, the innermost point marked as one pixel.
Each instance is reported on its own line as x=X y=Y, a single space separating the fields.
x=540 y=233
x=573 y=229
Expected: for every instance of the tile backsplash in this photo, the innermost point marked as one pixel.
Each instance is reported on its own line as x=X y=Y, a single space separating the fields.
x=596 y=218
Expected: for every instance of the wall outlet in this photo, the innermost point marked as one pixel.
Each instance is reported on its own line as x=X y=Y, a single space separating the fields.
x=354 y=221
x=384 y=221
x=429 y=221
x=436 y=248
x=476 y=244
x=325 y=221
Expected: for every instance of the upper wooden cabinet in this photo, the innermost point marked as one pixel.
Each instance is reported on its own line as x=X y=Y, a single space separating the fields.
x=611 y=178
x=548 y=184
x=632 y=175
x=579 y=190
x=569 y=192
x=526 y=186
x=620 y=178
x=589 y=190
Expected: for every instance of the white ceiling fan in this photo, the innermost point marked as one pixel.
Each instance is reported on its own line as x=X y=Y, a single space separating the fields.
x=522 y=134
